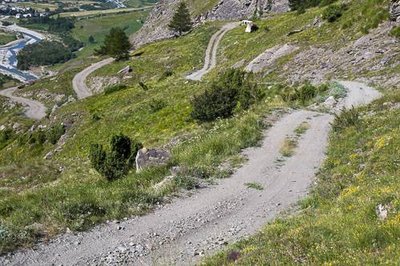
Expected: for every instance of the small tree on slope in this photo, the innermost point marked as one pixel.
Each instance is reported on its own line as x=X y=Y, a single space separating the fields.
x=116 y=44
x=181 y=22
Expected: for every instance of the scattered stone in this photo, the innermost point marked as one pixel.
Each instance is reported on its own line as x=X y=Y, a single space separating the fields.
x=394 y=10
x=382 y=212
x=125 y=70
x=150 y=157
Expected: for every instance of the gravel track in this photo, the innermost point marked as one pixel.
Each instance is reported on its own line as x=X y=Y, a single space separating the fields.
x=79 y=81
x=210 y=60
x=34 y=109
x=188 y=228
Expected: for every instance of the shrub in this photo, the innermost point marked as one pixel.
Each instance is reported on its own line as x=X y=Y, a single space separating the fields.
x=347 y=118
x=6 y=135
x=234 y=90
x=214 y=103
x=116 y=163
x=97 y=157
x=333 y=12
x=55 y=133
x=301 y=94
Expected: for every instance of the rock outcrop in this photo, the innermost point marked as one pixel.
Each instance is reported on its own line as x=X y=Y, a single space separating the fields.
x=150 y=157
x=156 y=26
x=395 y=10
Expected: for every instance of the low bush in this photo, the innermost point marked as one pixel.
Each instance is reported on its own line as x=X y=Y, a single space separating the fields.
x=234 y=90
x=55 y=133
x=302 y=94
x=347 y=118
x=333 y=12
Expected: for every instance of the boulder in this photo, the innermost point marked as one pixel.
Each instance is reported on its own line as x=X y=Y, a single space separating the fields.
x=125 y=70
x=151 y=157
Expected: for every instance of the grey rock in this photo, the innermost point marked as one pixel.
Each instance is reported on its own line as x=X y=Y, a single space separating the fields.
x=394 y=10
x=156 y=26
x=150 y=157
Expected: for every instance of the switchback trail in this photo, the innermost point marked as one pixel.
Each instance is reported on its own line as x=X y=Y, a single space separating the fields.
x=34 y=109
x=210 y=60
x=79 y=81
x=183 y=231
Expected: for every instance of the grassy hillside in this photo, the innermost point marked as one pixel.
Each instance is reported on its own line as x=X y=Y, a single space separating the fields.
x=40 y=198
x=66 y=192
x=338 y=223
x=98 y=27
x=6 y=37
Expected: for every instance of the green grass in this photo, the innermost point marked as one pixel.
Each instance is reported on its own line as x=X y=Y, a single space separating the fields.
x=302 y=128
x=288 y=147
x=105 y=12
x=255 y=186
x=6 y=37
x=99 y=27
x=65 y=192
x=77 y=197
x=337 y=223
x=139 y=3
x=395 y=32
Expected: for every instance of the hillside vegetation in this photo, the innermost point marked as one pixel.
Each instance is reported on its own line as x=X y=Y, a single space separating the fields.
x=339 y=223
x=41 y=198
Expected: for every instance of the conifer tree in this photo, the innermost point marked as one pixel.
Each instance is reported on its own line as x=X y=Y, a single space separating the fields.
x=116 y=44
x=181 y=22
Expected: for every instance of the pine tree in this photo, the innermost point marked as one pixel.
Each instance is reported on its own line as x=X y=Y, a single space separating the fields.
x=91 y=39
x=116 y=44
x=181 y=22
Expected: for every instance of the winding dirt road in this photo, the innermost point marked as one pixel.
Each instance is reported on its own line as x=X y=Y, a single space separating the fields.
x=210 y=60
x=182 y=232
x=79 y=81
x=34 y=109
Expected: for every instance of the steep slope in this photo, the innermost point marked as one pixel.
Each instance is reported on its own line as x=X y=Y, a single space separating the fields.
x=177 y=233
x=70 y=194
x=156 y=27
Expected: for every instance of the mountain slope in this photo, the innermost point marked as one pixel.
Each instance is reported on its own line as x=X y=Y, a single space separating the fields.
x=156 y=27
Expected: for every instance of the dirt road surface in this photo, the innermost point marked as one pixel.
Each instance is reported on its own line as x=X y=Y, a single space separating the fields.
x=34 y=109
x=79 y=81
x=210 y=60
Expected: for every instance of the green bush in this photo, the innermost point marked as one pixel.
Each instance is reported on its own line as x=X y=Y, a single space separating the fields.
x=333 y=12
x=55 y=133
x=234 y=90
x=6 y=135
x=347 y=118
x=116 y=163
x=302 y=94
